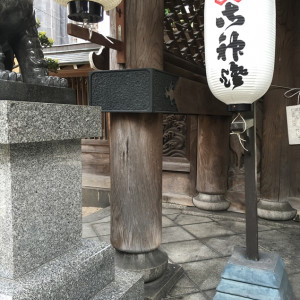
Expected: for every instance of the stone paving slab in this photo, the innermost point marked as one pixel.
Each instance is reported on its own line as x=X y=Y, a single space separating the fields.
x=206 y=273
x=197 y=296
x=295 y=282
x=240 y=227
x=205 y=230
x=287 y=245
x=166 y=222
x=202 y=242
x=188 y=219
x=224 y=245
x=101 y=228
x=184 y=286
x=210 y=294
x=175 y=234
x=188 y=251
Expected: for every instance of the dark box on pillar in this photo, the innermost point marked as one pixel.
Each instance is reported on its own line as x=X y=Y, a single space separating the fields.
x=134 y=90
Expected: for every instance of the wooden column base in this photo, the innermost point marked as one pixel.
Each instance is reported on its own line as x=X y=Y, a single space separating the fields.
x=212 y=162
x=276 y=211
x=211 y=202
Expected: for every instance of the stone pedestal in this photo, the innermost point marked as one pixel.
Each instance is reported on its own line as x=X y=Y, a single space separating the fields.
x=265 y=279
x=42 y=255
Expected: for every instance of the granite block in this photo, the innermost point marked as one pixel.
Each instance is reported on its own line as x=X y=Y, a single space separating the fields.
x=78 y=274
x=40 y=203
x=27 y=122
x=126 y=286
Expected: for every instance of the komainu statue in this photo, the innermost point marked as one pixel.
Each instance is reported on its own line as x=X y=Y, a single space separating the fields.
x=19 y=37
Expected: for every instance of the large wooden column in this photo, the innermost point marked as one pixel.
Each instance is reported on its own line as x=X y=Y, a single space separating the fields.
x=136 y=154
x=212 y=162
x=278 y=158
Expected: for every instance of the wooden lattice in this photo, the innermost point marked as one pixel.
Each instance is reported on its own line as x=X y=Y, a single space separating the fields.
x=184 y=29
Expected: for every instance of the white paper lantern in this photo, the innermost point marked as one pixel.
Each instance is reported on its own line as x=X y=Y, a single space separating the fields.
x=239 y=48
x=107 y=4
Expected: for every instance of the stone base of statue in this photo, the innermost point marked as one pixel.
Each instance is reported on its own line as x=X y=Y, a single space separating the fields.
x=20 y=91
x=42 y=255
x=265 y=279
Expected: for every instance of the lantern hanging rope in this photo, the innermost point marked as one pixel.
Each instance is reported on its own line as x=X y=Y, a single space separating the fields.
x=239 y=119
x=107 y=4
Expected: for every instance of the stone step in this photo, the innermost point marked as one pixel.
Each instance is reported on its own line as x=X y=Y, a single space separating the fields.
x=126 y=286
x=78 y=274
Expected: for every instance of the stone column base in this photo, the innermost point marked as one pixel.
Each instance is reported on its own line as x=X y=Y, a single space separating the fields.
x=276 y=211
x=248 y=279
x=211 y=202
x=150 y=264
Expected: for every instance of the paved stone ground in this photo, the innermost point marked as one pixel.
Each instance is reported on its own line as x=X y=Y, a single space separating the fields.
x=202 y=243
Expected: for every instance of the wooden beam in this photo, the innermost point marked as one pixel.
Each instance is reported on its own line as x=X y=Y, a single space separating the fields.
x=97 y=38
x=183 y=64
x=193 y=97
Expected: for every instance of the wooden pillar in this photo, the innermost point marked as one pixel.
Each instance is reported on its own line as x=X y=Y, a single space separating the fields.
x=277 y=156
x=136 y=154
x=212 y=162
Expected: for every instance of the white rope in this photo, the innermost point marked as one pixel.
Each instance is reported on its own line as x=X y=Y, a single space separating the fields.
x=89 y=26
x=291 y=93
x=238 y=134
x=290 y=90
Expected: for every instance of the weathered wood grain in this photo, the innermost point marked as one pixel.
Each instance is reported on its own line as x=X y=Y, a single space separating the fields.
x=136 y=142
x=213 y=154
x=95 y=157
x=136 y=184
x=176 y=164
x=279 y=160
x=295 y=150
x=177 y=183
x=195 y=97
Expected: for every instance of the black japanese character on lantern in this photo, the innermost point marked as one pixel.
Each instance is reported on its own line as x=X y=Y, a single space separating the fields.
x=224 y=79
x=229 y=13
x=236 y=45
x=236 y=74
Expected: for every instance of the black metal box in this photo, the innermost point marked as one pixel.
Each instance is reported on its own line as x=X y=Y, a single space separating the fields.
x=133 y=90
